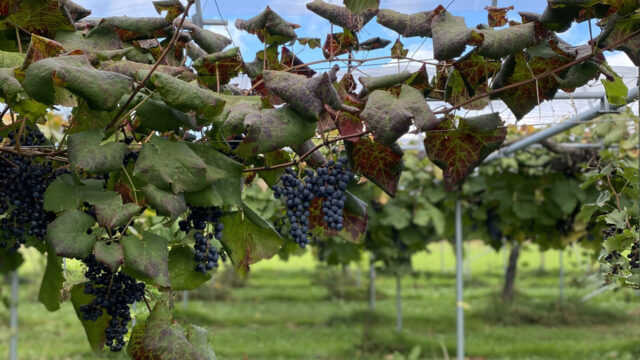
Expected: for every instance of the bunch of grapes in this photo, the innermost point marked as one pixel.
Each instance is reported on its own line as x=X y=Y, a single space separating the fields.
x=328 y=184
x=299 y=196
x=612 y=256
x=634 y=256
x=113 y=293
x=22 y=186
x=206 y=222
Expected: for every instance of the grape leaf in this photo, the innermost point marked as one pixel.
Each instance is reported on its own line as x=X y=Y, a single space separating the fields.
x=458 y=150
x=137 y=28
x=269 y=27
x=174 y=8
x=66 y=194
x=182 y=269
x=339 y=43
x=98 y=39
x=248 y=238
x=41 y=48
x=273 y=129
x=418 y=24
x=616 y=90
x=450 y=34
x=39 y=17
x=86 y=153
x=164 y=202
x=413 y=100
x=93 y=329
x=420 y=80
x=342 y=16
x=373 y=44
x=113 y=213
x=476 y=70
x=130 y=68
x=370 y=83
x=148 y=257
x=68 y=234
x=160 y=337
x=11 y=59
x=199 y=339
x=289 y=59
x=52 y=281
x=360 y=6
x=101 y=89
x=218 y=68
x=496 y=44
x=398 y=51
x=173 y=166
x=312 y=43
x=109 y=253
x=274 y=158
x=354 y=219
x=185 y=97
x=378 y=163
x=154 y=114
x=209 y=41
x=497 y=16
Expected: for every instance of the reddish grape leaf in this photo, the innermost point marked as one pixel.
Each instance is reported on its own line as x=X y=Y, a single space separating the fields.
x=618 y=28
x=354 y=220
x=457 y=151
x=308 y=41
x=496 y=44
x=373 y=44
x=378 y=163
x=521 y=67
x=290 y=59
x=41 y=48
x=269 y=27
x=497 y=16
x=342 y=16
x=219 y=68
x=476 y=70
x=420 y=80
x=174 y=8
x=339 y=43
x=398 y=51
x=456 y=92
x=418 y=24
x=39 y=17
x=450 y=34
x=109 y=253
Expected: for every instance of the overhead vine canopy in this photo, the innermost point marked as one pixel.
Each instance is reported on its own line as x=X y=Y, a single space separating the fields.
x=191 y=137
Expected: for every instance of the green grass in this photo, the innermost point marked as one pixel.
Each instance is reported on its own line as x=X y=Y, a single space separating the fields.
x=284 y=312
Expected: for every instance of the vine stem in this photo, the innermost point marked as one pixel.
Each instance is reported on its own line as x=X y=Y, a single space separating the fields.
x=139 y=87
x=135 y=196
x=307 y=154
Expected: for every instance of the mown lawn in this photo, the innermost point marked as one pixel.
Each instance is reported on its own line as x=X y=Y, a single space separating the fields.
x=284 y=312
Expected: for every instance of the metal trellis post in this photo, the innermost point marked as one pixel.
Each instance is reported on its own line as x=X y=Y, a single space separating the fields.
x=13 y=322
x=459 y=284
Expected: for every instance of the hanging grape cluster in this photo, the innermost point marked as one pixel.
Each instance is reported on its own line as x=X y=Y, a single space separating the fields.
x=634 y=256
x=113 y=293
x=22 y=186
x=206 y=222
x=328 y=183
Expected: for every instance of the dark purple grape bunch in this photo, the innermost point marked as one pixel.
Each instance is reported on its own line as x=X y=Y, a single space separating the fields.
x=299 y=196
x=23 y=183
x=207 y=226
x=331 y=182
x=634 y=256
x=130 y=155
x=113 y=293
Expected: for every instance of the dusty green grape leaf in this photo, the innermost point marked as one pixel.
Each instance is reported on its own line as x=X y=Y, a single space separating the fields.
x=154 y=114
x=148 y=257
x=248 y=238
x=174 y=8
x=475 y=70
x=234 y=121
x=111 y=254
x=164 y=202
x=519 y=67
x=458 y=150
x=130 y=68
x=10 y=88
x=496 y=44
x=160 y=337
x=199 y=339
x=182 y=269
x=101 y=89
x=137 y=28
x=269 y=27
x=39 y=17
x=579 y=75
x=617 y=28
x=87 y=154
x=418 y=24
x=194 y=51
x=497 y=16
x=11 y=59
x=379 y=163
x=225 y=191
x=616 y=90
x=398 y=51
x=341 y=15
x=558 y=19
x=218 y=68
x=68 y=234
x=360 y=6
x=273 y=129
x=173 y=166
x=450 y=34
x=51 y=286
x=339 y=43
x=66 y=194
x=370 y=83
x=93 y=329
x=413 y=100
x=98 y=39
x=354 y=219
x=114 y=213
x=84 y=118
x=41 y=48
x=209 y=41
x=373 y=44
x=186 y=97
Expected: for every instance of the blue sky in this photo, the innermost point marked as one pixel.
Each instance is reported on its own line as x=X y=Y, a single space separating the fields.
x=315 y=26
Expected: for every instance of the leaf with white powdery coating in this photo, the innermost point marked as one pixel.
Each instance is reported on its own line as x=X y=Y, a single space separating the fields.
x=341 y=15
x=496 y=44
x=269 y=27
x=457 y=151
x=249 y=238
x=418 y=24
x=147 y=257
x=164 y=202
x=450 y=34
x=68 y=234
x=86 y=153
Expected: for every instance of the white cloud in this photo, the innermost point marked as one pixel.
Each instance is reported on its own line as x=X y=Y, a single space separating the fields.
x=618 y=59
